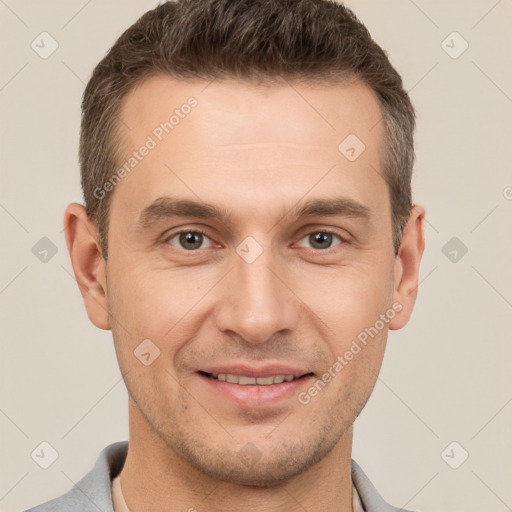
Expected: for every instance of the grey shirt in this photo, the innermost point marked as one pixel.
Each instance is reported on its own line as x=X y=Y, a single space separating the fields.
x=93 y=492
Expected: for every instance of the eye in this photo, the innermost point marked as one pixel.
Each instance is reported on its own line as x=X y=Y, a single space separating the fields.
x=189 y=240
x=320 y=240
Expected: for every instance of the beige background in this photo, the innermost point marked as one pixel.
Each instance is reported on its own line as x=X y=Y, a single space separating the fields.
x=446 y=376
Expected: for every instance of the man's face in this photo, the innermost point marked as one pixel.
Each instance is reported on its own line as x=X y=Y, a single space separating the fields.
x=262 y=292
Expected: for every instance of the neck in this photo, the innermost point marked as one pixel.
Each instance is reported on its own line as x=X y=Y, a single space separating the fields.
x=156 y=478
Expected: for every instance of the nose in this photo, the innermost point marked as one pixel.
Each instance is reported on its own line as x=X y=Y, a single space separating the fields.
x=257 y=301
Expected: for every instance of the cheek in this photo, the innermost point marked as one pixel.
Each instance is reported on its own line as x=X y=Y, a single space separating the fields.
x=145 y=297
x=156 y=304
x=142 y=308
x=346 y=299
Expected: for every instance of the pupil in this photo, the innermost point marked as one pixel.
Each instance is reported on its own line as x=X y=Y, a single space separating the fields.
x=191 y=240
x=321 y=240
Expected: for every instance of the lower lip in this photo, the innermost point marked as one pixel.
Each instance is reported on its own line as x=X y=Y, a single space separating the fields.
x=254 y=395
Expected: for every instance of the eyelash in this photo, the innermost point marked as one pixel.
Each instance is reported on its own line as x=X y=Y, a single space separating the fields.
x=343 y=241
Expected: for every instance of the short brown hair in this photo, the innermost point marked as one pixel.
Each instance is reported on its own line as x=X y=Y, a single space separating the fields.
x=317 y=40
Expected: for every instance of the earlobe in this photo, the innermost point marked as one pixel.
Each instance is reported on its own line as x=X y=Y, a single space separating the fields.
x=407 y=266
x=88 y=263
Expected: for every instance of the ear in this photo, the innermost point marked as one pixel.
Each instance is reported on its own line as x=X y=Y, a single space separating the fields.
x=88 y=264
x=407 y=266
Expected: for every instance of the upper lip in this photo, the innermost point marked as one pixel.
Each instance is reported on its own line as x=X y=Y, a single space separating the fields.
x=247 y=370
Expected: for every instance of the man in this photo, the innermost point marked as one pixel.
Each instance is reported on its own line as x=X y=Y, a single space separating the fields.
x=248 y=236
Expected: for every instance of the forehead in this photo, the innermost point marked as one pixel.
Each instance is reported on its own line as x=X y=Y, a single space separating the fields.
x=229 y=141
x=262 y=110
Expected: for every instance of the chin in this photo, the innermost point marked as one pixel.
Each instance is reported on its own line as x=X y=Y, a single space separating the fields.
x=249 y=466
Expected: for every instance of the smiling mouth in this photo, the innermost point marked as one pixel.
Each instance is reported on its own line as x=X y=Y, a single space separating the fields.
x=245 y=380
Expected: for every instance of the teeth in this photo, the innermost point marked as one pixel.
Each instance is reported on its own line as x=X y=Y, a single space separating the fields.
x=266 y=381
x=243 y=380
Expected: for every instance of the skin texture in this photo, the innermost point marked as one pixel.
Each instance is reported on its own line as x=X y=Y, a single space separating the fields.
x=255 y=152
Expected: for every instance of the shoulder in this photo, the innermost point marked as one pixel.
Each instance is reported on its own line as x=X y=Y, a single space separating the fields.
x=93 y=491
x=370 y=497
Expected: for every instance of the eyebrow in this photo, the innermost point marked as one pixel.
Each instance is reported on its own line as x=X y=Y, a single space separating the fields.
x=332 y=207
x=168 y=207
